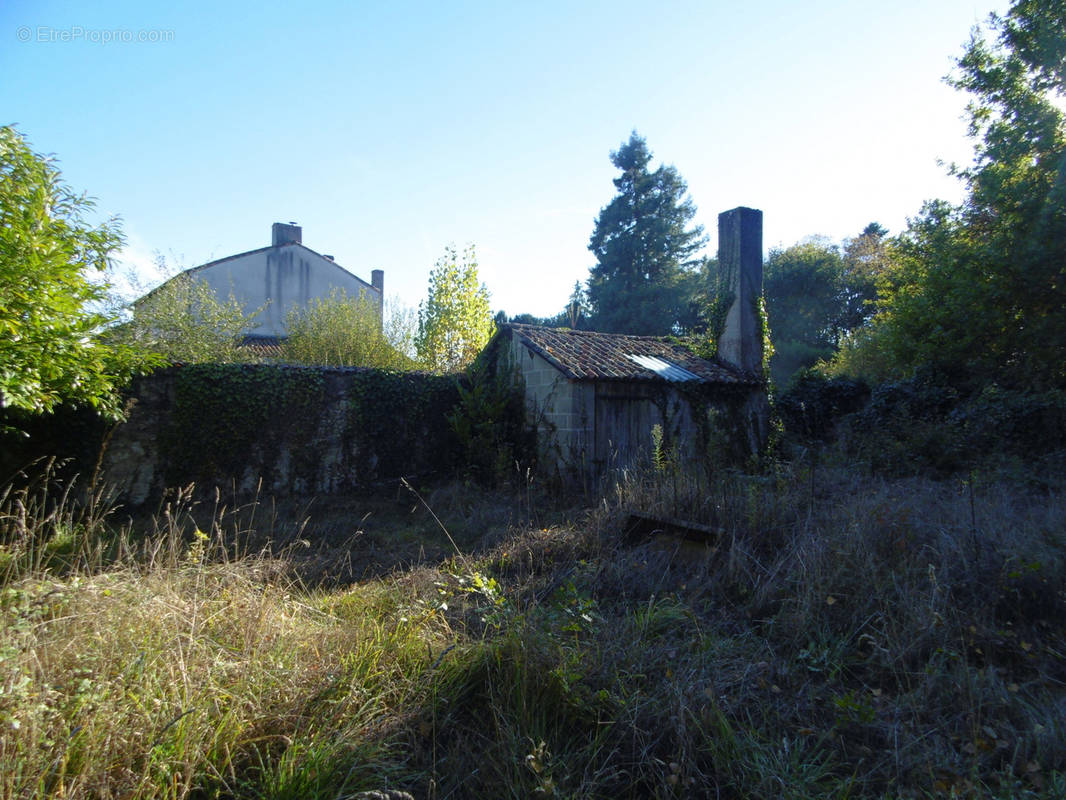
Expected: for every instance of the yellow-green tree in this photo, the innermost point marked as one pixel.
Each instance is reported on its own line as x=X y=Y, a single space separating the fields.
x=455 y=321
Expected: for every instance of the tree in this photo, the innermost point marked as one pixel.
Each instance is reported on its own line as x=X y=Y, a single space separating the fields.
x=184 y=321
x=455 y=321
x=52 y=285
x=346 y=331
x=805 y=295
x=867 y=259
x=577 y=307
x=644 y=247
x=977 y=290
x=575 y=315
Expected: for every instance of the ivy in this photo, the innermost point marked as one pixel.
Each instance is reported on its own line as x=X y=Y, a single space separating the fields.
x=764 y=336
x=396 y=423
x=489 y=421
x=229 y=416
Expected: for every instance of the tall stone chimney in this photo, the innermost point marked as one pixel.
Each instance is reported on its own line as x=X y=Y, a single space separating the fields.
x=740 y=269
x=280 y=234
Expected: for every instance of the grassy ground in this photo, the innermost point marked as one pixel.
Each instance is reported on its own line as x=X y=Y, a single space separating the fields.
x=842 y=636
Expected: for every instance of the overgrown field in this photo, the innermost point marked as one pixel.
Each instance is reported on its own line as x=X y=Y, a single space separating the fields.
x=842 y=635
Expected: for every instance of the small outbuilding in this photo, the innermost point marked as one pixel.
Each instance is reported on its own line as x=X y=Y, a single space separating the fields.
x=601 y=401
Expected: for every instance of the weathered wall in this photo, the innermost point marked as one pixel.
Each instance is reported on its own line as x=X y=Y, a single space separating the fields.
x=556 y=406
x=278 y=279
x=296 y=430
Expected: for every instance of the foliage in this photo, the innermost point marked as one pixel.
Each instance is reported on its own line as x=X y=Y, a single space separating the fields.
x=71 y=435
x=861 y=356
x=924 y=425
x=227 y=417
x=400 y=327
x=645 y=250
x=812 y=404
x=398 y=421
x=489 y=421
x=185 y=321
x=228 y=420
x=52 y=264
x=455 y=321
x=978 y=290
x=344 y=331
x=867 y=259
x=816 y=296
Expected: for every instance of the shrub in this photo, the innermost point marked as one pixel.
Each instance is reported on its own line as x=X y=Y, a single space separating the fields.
x=813 y=404
x=345 y=331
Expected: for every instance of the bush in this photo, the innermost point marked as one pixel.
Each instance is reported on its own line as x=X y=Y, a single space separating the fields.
x=489 y=421
x=813 y=404
x=926 y=424
x=1020 y=423
x=346 y=331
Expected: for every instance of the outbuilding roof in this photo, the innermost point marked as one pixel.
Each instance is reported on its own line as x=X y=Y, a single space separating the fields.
x=590 y=355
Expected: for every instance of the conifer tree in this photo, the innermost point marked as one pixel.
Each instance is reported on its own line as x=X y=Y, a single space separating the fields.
x=645 y=248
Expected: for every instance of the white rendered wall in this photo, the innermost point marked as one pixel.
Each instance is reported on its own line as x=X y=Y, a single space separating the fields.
x=279 y=278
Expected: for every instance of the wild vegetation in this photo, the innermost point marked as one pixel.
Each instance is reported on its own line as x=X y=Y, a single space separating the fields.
x=877 y=610
x=343 y=331
x=52 y=260
x=839 y=634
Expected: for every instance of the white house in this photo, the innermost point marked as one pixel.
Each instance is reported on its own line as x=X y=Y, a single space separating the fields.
x=282 y=276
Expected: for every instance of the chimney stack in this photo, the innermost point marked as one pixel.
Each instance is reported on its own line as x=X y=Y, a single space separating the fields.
x=280 y=234
x=377 y=280
x=740 y=269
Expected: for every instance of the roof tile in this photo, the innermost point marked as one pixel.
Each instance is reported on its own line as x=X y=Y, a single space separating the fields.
x=589 y=355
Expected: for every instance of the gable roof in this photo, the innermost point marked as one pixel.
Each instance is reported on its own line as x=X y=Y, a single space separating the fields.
x=593 y=356
x=279 y=247
x=192 y=271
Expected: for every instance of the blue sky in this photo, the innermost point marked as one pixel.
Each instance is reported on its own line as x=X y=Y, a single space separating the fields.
x=390 y=130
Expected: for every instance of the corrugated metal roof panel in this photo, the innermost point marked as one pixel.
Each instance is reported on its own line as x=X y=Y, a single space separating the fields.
x=664 y=369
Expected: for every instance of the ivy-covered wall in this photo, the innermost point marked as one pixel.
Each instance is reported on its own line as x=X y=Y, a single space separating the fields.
x=290 y=430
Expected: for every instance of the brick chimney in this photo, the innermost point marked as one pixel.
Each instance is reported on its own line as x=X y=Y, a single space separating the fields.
x=280 y=234
x=740 y=269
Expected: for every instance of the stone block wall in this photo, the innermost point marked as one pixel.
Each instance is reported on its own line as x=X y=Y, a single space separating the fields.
x=279 y=430
x=559 y=408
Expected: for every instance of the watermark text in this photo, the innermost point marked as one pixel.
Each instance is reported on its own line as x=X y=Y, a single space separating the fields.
x=48 y=34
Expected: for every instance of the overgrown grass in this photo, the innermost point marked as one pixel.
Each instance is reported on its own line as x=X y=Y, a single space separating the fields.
x=840 y=636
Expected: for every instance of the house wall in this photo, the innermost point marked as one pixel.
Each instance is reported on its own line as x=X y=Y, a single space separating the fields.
x=280 y=278
x=561 y=409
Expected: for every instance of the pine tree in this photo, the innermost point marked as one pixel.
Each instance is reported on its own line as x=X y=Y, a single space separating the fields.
x=644 y=248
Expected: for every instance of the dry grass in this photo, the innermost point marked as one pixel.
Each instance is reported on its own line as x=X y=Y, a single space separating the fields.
x=845 y=636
